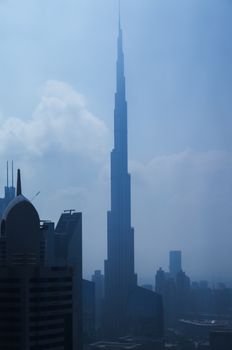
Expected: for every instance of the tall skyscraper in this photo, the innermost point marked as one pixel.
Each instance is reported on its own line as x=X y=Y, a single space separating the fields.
x=64 y=249
x=68 y=252
x=120 y=278
x=175 y=262
x=88 y=299
x=36 y=302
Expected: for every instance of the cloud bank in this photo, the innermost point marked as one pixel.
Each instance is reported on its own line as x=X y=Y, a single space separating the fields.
x=61 y=122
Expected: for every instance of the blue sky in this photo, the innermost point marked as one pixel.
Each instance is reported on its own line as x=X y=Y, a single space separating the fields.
x=56 y=113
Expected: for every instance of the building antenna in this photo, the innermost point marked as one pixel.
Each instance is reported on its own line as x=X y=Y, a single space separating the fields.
x=119 y=13
x=7 y=174
x=19 y=186
x=69 y=211
x=12 y=172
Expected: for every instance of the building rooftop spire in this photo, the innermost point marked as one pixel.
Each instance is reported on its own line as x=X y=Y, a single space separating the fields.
x=12 y=172
x=119 y=14
x=120 y=59
x=19 y=186
x=7 y=174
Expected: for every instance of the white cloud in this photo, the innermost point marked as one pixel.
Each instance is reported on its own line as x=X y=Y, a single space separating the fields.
x=61 y=122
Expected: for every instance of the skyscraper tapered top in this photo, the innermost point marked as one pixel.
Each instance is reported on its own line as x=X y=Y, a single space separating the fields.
x=120 y=63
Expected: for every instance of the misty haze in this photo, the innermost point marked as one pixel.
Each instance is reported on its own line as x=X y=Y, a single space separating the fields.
x=125 y=116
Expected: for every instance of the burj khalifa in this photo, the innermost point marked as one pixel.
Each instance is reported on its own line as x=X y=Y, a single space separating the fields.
x=120 y=278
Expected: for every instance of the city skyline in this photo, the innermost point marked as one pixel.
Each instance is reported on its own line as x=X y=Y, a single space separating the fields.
x=181 y=168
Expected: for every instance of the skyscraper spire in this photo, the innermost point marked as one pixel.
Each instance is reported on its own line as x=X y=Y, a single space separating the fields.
x=19 y=186
x=7 y=175
x=12 y=173
x=120 y=58
x=119 y=13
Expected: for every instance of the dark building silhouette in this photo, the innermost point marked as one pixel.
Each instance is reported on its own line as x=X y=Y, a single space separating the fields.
x=165 y=285
x=64 y=249
x=160 y=281
x=183 y=294
x=174 y=262
x=36 y=302
x=120 y=278
x=175 y=289
x=221 y=340
x=98 y=279
x=145 y=313
x=9 y=191
x=88 y=294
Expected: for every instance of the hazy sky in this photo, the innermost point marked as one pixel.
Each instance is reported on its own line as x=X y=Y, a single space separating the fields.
x=56 y=121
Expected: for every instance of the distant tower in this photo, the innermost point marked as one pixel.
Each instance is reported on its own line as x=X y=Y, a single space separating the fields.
x=120 y=278
x=175 y=262
x=98 y=279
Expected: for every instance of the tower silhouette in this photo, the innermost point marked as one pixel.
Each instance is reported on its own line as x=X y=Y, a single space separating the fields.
x=120 y=278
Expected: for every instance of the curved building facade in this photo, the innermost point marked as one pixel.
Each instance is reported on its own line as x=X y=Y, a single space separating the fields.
x=36 y=302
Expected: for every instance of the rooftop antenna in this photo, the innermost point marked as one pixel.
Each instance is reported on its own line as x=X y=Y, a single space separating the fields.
x=12 y=172
x=119 y=13
x=19 y=186
x=7 y=174
x=70 y=211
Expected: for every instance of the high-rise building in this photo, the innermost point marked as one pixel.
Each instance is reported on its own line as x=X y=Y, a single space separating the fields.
x=9 y=194
x=128 y=309
x=64 y=249
x=36 y=302
x=165 y=285
x=88 y=296
x=174 y=262
x=120 y=278
x=183 y=293
x=98 y=279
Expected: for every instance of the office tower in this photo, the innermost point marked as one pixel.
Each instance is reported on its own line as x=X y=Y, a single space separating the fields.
x=98 y=279
x=183 y=293
x=145 y=313
x=64 y=248
x=165 y=285
x=120 y=278
x=160 y=281
x=88 y=295
x=35 y=301
x=9 y=190
x=174 y=262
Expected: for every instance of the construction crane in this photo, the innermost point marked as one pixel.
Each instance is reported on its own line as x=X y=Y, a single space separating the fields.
x=36 y=195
